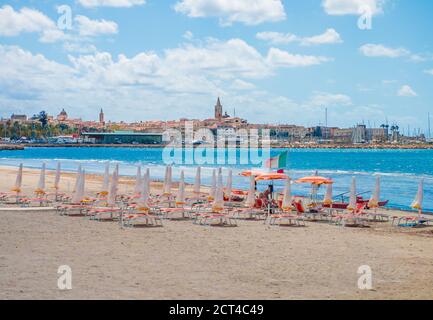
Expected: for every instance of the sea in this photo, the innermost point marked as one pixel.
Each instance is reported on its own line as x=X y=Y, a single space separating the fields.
x=400 y=170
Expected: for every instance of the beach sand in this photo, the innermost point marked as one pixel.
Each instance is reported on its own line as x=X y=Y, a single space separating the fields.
x=186 y=261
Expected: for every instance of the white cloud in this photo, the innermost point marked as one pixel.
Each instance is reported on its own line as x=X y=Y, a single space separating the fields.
x=89 y=27
x=352 y=7
x=406 y=91
x=242 y=85
x=252 y=12
x=329 y=99
x=330 y=36
x=379 y=50
x=280 y=58
x=13 y=23
x=188 y=35
x=111 y=3
x=430 y=72
x=276 y=37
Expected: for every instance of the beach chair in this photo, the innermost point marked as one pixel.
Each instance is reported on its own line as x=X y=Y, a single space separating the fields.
x=357 y=218
x=141 y=217
x=219 y=219
x=411 y=221
x=103 y=214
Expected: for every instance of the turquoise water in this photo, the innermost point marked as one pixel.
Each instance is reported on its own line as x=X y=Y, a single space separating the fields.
x=400 y=170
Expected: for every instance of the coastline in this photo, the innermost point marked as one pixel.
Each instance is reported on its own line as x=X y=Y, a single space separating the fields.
x=279 y=146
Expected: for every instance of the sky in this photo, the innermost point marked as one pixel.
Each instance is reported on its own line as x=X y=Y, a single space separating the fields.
x=270 y=61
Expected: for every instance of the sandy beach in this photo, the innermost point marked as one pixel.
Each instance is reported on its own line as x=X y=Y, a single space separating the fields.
x=186 y=261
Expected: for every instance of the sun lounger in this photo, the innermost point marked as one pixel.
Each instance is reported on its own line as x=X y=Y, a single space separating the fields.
x=411 y=221
x=357 y=218
x=215 y=219
x=286 y=219
x=141 y=218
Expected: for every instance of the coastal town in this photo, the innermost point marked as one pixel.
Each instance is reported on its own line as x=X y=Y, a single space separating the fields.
x=44 y=130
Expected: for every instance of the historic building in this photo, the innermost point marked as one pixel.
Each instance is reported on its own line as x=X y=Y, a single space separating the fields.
x=101 y=117
x=218 y=110
x=62 y=116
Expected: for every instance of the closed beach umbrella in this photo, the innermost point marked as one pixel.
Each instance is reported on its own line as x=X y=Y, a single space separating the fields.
x=41 y=184
x=18 y=180
x=106 y=181
x=180 y=197
x=327 y=200
x=417 y=203
x=167 y=181
x=220 y=178
x=77 y=179
x=251 y=198
x=375 y=197
x=80 y=184
x=287 y=197
x=197 y=181
x=213 y=186
x=143 y=202
x=148 y=179
x=229 y=184
x=138 y=183
x=114 y=187
x=352 y=201
x=218 y=203
x=57 y=177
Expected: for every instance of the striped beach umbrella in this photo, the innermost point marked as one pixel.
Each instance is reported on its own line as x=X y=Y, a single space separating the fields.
x=138 y=181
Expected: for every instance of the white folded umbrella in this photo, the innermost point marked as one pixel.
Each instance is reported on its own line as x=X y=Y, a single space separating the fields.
x=19 y=179
x=417 y=203
x=180 y=197
x=229 y=186
x=197 y=181
x=352 y=200
x=41 y=184
x=251 y=198
x=57 y=177
x=375 y=197
x=287 y=196
x=138 y=181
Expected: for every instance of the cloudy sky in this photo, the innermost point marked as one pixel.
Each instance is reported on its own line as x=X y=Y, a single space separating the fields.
x=274 y=61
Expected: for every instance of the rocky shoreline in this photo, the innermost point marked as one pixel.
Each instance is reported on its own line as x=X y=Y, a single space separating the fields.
x=11 y=147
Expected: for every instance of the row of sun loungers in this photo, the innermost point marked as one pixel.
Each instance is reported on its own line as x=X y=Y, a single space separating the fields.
x=201 y=213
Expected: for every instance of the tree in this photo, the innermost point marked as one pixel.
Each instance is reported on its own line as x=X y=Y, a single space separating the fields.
x=43 y=119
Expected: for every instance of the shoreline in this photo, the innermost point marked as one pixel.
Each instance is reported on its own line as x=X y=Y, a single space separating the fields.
x=280 y=146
